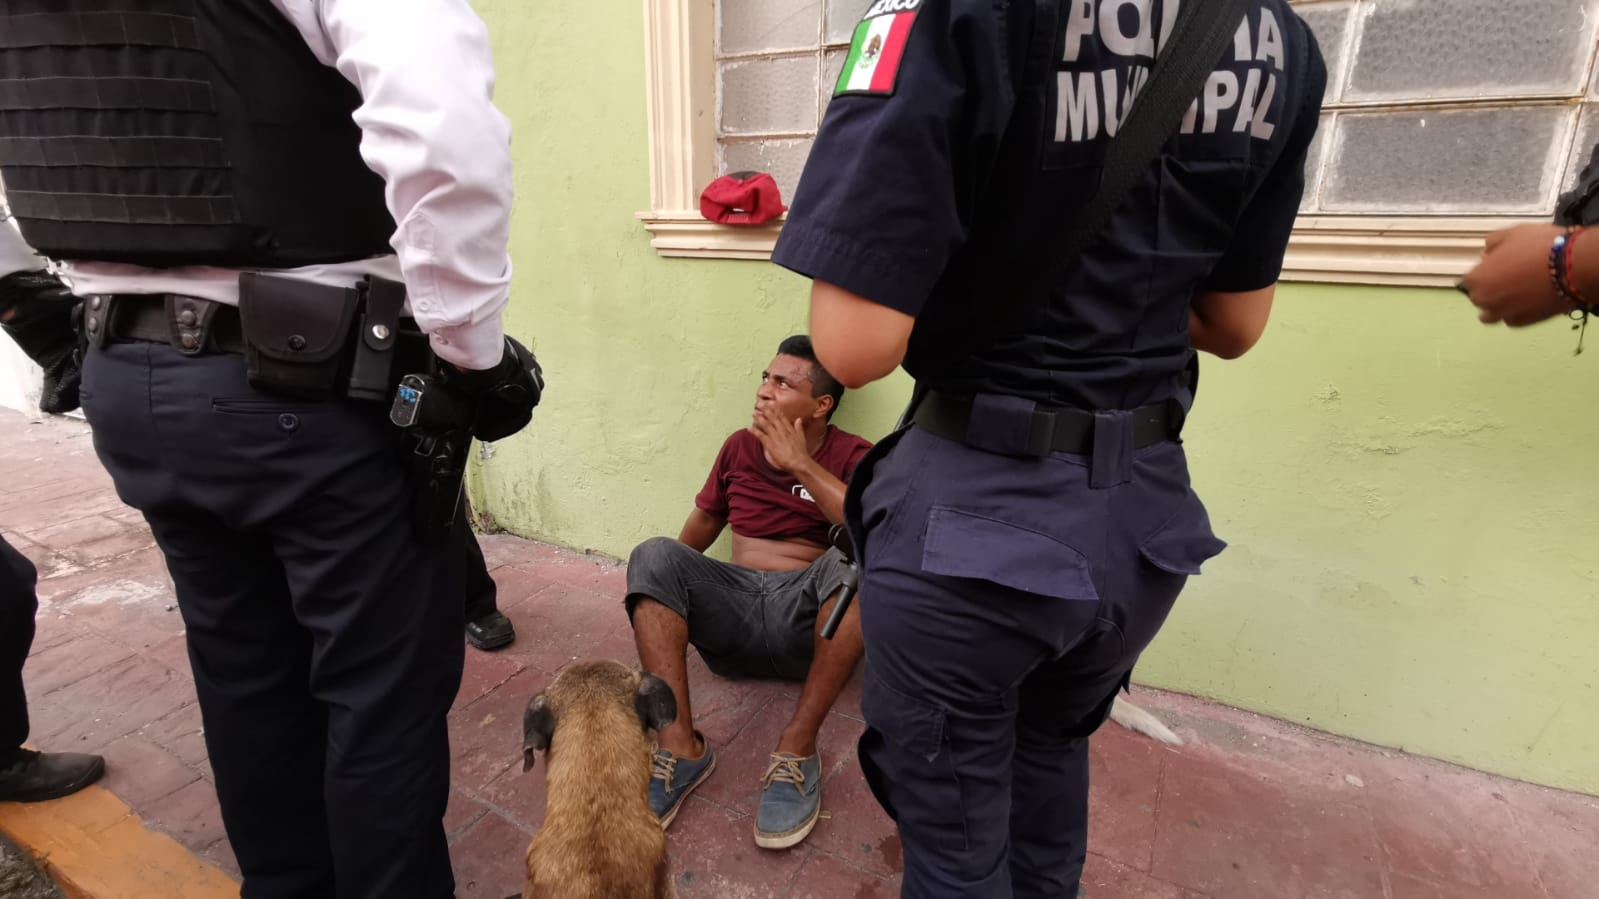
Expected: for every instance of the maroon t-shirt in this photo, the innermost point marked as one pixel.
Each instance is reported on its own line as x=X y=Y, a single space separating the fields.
x=761 y=501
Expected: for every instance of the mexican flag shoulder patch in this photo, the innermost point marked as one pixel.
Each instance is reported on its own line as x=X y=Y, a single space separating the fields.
x=872 y=66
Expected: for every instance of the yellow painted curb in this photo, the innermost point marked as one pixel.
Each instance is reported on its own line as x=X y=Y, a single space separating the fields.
x=96 y=848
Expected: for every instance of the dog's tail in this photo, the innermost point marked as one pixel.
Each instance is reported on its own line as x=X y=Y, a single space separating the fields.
x=1140 y=721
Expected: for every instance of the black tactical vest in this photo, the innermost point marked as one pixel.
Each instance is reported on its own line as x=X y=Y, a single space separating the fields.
x=180 y=132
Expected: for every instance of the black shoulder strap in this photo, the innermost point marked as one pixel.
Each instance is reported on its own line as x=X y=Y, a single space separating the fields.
x=1203 y=30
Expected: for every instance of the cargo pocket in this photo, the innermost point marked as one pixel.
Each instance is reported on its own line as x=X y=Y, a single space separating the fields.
x=967 y=545
x=1184 y=542
x=906 y=760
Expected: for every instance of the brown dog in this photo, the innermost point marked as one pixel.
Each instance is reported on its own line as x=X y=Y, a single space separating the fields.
x=600 y=840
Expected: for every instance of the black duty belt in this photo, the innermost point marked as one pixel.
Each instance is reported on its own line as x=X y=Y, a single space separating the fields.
x=1041 y=431
x=189 y=324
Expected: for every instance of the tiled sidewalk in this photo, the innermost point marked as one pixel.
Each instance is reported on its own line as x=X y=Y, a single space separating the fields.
x=1248 y=808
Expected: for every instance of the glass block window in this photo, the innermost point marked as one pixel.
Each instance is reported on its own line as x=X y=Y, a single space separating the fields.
x=1452 y=107
x=776 y=63
x=1433 y=107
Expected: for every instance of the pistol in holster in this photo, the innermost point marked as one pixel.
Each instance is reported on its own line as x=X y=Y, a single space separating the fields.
x=320 y=342
x=438 y=437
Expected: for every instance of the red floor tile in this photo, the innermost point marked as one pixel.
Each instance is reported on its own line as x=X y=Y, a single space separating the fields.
x=484 y=671
x=1227 y=863
x=1124 y=783
x=172 y=652
x=93 y=539
x=52 y=628
x=462 y=812
x=49 y=504
x=1407 y=887
x=70 y=662
x=713 y=855
x=108 y=704
x=855 y=828
x=722 y=707
x=741 y=764
x=518 y=794
x=564 y=626
x=139 y=772
x=1448 y=826
x=221 y=855
x=514 y=585
x=189 y=815
x=1106 y=879
x=1220 y=829
x=47 y=562
x=1561 y=831
x=133 y=610
x=486 y=736
x=502 y=549
x=825 y=877
x=180 y=733
x=489 y=859
x=617 y=645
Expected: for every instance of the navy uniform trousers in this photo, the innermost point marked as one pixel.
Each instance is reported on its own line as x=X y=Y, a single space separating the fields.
x=18 y=603
x=326 y=641
x=1003 y=601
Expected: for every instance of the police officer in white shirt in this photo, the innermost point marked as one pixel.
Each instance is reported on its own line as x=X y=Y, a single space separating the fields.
x=271 y=210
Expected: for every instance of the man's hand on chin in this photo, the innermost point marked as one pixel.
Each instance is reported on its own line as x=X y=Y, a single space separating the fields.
x=784 y=441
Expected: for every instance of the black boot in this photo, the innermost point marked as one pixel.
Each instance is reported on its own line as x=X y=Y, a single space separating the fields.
x=491 y=631
x=36 y=776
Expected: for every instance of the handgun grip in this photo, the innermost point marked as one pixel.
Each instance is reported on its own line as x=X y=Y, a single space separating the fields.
x=846 y=595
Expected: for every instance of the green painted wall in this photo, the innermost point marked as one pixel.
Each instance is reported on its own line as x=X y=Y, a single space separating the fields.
x=1410 y=498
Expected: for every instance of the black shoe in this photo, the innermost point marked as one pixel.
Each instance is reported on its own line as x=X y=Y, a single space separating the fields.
x=37 y=776
x=492 y=631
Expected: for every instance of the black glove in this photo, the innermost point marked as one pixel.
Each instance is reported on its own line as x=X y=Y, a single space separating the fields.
x=39 y=315
x=502 y=397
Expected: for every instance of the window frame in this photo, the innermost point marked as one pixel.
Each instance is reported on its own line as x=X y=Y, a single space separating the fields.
x=680 y=76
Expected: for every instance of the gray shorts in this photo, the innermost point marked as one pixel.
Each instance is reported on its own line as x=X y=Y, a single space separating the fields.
x=745 y=623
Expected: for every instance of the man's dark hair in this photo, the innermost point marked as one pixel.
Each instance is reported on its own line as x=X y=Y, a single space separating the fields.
x=799 y=346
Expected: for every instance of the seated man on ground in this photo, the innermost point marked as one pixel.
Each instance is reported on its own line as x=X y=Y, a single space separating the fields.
x=780 y=484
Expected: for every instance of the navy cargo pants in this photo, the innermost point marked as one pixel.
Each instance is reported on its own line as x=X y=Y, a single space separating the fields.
x=18 y=604
x=1004 y=600
x=325 y=639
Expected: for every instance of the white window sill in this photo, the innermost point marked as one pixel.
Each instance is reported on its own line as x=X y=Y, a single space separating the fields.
x=1412 y=251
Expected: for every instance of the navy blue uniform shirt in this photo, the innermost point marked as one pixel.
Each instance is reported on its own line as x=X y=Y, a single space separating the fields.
x=965 y=134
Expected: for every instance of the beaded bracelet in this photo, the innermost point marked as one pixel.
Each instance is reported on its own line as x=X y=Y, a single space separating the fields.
x=1557 y=263
x=1560 y=276
x=1569 y=287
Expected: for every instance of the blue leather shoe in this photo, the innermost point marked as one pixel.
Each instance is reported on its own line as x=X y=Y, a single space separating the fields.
x=673 y=778
x=791 y=801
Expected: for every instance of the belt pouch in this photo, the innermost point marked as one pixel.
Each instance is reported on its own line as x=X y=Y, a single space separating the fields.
x=372 y=364
x=295 y=334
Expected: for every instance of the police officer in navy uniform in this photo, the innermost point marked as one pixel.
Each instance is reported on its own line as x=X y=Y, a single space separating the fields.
x=1024 y=536
x=271 y=211
x=27 y=775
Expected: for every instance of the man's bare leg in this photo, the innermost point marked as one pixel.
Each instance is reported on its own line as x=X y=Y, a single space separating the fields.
x=662 y=639
x=831 y=667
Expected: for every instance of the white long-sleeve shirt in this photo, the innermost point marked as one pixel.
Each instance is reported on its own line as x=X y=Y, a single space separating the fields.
x=15 y=254
x=430 y=129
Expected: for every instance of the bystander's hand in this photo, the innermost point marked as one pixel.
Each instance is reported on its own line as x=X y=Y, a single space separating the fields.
x=1511 y=284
